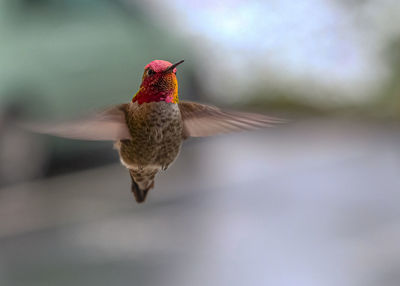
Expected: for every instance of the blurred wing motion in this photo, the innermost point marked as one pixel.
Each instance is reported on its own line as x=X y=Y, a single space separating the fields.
x=201 y=120
x=107 y=125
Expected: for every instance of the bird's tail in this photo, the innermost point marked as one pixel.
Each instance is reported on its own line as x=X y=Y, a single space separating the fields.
x=140 y=187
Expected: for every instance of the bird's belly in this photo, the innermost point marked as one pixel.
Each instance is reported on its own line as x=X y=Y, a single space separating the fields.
x=144 y=153
x=156 y=130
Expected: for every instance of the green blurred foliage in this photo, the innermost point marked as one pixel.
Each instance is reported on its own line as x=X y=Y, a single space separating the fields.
x=387 y=103
x=62 y=57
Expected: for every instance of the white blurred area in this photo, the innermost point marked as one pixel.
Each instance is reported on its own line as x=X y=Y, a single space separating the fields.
x=311 y=204
x=330 y=52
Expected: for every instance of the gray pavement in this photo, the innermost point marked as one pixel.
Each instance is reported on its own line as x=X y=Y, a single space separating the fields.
x=312 y=203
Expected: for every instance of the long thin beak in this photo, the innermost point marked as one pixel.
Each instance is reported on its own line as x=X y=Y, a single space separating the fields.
x=171 y=68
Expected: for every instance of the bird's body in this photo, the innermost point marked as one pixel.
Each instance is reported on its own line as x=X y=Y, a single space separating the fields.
x=150 y=129
x=156 y=129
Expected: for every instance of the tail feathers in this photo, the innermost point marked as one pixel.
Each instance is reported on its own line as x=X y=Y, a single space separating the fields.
x=139 y=193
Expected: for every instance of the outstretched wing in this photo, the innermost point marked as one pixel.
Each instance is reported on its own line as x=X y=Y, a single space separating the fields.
x=201 y=120
x=107 y=125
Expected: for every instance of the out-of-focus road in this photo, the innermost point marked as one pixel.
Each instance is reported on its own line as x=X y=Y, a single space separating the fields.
x=314 y=203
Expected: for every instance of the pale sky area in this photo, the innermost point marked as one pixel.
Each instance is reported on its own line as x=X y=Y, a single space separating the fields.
x=329 y=45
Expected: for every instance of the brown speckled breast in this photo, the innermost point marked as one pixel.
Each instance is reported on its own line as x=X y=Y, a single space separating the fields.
x=156 y=129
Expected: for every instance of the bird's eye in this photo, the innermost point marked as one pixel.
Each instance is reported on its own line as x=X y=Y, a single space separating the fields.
x=150 y=72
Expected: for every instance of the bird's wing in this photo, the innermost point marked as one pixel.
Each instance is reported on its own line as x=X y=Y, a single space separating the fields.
x=107 y=125
x=200 y=120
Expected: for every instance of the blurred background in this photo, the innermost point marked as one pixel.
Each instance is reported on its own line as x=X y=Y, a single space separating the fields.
x=313 y=202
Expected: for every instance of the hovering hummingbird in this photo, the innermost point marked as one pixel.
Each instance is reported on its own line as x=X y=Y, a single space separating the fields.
x=150 y=129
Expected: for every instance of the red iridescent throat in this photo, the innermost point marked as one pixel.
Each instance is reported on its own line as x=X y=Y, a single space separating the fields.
x=151 y=94
x=160 y=87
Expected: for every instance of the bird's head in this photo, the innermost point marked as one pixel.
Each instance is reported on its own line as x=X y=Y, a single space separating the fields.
x=159 y=83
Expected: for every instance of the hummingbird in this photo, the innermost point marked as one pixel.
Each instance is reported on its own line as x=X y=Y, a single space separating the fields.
x=149 y=130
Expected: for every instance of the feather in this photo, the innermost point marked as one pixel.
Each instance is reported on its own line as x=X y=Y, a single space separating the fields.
x=107 y=125
x=200 y=120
